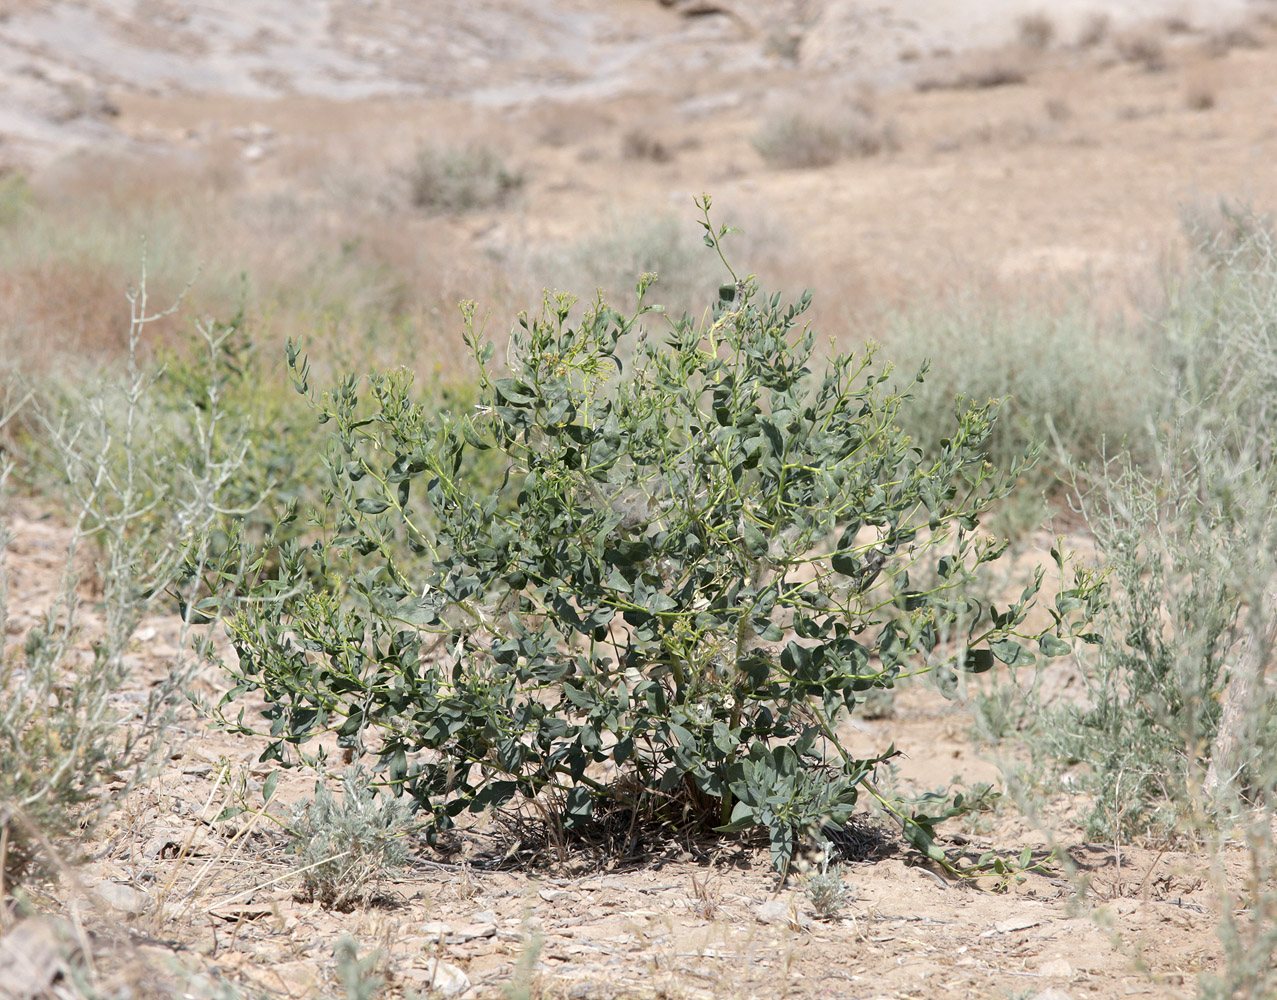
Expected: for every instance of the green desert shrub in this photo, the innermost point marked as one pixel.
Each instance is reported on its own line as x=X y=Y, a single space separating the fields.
x=207 y=408
x=1154 y=690
x=706 y=546
x=273 y=440
x=15 y=196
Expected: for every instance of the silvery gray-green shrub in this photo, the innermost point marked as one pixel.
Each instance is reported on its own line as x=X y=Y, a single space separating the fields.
x=705 y=545
x=346 y=849
x=825 y=887
x=142 y=488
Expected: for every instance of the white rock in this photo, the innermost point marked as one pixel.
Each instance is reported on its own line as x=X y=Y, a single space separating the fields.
x=779 y=911
x=445 y=979
x=123 y=898
x=1018 y=923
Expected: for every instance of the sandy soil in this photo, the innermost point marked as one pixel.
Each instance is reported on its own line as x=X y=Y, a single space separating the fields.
x=1072 y=178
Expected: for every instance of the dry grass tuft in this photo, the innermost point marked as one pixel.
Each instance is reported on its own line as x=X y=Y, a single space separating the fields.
x=336 y=261
x=1035 y=31
x=981 y=71
x=1094 y=30
x=792 y=139
x=784 y=44
x=1199 y=95
x=795 y=142
x=559 y=125
x=639 y=144
x=68 y=252
x=460 y=180
x=1058 y=109
x=1144 y=45
x=1218 y=44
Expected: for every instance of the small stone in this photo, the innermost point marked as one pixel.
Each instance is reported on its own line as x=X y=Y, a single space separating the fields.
x=172 y=842
x=1020 y=923
x=774 y=911
x=439 y=977
x=1052 y=994
x=778 y=911
x=163 y=845
x=302 y=976
x=123 y=898
x=468 y=932
x=1057 y=967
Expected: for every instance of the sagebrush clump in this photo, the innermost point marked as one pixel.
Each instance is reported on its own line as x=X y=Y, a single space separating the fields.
x=150 y=513
x=608 y=259
x=1177 y=699
x=345 y=850
x=460 y=180
x=796 y=139
x=827 y=889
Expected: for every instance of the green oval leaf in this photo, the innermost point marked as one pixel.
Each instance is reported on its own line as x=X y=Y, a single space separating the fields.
x=755 y=541
x=1012 y=653
x=472 y=437
x=976 y=661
